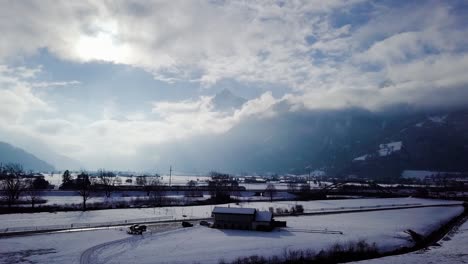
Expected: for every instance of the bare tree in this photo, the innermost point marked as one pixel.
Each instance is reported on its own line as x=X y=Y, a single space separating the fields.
x=12 y=182
x=84 y=187
x=66 y=179
x=144 y=183
x=221 y=186
x=270 y=191
x=192 y=189
x=157 y=192
x=107 y=180
x=305 y=188
x=292 y=186
x=141 y=180
x=147 y=182
x=32 y=192
x=117 y=181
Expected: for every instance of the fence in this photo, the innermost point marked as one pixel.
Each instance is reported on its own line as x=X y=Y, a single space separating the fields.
x=360 y=207
x=83 y=225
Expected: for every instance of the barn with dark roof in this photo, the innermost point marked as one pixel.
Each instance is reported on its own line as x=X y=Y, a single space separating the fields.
x=242 y=218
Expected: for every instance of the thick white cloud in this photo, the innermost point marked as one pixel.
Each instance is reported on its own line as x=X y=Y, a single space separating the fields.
x=103 y=142
x=16 y=96
x=200 y=40
x=415 y=54
x=26 y=117
x=252 y=42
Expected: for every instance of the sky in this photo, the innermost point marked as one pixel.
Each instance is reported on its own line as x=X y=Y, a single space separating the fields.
x=98 y=81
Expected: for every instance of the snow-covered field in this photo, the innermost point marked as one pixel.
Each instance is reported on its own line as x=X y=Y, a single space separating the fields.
x=206 y=245
x=453 y=249
x=102 y=216
x=278 y=186
x=56 y=179
x=54 y=249
x=72 y=197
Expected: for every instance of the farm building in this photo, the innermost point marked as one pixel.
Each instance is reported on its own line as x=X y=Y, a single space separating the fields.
x=242 y=218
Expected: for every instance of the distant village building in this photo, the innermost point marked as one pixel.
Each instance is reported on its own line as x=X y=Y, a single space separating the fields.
x=242 y=218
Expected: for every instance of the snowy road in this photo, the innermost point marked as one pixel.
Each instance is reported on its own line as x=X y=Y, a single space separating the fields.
x=87 y=255
x=112 y=217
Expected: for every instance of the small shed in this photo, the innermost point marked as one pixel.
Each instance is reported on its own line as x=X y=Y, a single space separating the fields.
x=263 y=221
x=242 y=218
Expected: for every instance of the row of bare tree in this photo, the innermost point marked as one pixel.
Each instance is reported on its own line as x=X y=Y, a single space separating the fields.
x=16 y=184
x=106 y=182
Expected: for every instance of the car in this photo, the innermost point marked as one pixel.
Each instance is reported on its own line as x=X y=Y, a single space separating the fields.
x=205 y=223
x=186 y=224
x=136 y=229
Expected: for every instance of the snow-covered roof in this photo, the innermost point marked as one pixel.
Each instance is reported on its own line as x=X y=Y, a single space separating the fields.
x=233 y=210
x=263 y=216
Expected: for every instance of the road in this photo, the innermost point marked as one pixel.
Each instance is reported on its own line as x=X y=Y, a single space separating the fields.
x=87 y=255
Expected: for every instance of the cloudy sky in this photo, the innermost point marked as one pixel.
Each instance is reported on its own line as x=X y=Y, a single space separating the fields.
x=99 y=80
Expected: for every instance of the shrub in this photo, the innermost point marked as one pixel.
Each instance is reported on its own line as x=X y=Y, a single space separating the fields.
x=337 y=253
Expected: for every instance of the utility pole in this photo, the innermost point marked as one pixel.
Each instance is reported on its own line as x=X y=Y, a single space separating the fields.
x=170 y=175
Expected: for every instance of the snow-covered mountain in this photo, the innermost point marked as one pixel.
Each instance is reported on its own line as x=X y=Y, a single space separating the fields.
x=423 y=143
x=226 y=101
x=386 y=144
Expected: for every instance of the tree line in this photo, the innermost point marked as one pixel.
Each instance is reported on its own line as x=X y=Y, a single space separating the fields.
x=18 y=186
x=106 y=182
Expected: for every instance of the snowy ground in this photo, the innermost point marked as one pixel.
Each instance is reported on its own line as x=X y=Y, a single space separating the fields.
x=56 y=179
x=278 y=185
x=206 y=245
x=72 y=197
x=56 y=248
x=102 y=216
x=453 y=249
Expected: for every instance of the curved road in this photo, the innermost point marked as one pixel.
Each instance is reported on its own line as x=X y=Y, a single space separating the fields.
x=86 y=256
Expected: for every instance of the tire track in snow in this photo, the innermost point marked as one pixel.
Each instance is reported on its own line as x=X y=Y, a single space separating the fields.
x=86 y=255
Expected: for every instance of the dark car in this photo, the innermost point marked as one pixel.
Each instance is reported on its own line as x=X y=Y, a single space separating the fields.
x=205 y=223
x=186 y=224
x=136 y=229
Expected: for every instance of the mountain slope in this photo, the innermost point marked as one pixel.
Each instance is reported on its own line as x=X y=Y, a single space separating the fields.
x=227 y=101
x=432 y=142
x=331 y=140
x=11 y=154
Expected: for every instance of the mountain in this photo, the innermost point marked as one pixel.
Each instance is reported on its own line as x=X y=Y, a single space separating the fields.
x=40 y=149
x=437 y=142
x=225 y=101
x=334 y=141
x=62 y=162
x=11 y=154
